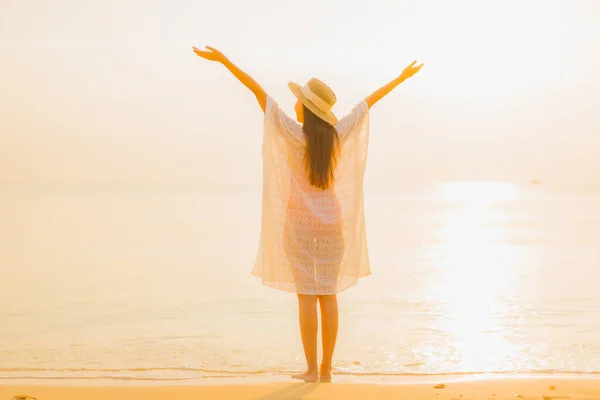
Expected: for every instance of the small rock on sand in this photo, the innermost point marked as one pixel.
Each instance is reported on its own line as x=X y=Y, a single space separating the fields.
x=440 y=386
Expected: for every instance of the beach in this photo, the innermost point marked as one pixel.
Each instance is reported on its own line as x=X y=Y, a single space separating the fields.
x=149 y=150
x=486 y=388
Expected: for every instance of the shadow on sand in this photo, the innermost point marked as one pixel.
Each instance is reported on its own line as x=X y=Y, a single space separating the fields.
x=294 y=391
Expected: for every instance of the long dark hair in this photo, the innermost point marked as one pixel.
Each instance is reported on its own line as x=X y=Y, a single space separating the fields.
x=322 y=150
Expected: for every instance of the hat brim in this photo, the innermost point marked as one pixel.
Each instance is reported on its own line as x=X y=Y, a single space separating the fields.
x=328 y=117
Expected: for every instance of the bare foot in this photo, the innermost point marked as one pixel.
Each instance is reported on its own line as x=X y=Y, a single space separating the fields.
x=308 y=376
x=325 y=374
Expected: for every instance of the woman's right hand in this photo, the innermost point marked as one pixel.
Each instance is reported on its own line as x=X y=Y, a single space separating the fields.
x=211 y=55
x=215 y=55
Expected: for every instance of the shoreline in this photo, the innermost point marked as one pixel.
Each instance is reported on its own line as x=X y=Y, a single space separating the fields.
x=282 y=379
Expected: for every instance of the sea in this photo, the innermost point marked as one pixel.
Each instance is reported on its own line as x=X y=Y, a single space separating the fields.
x=153 y=283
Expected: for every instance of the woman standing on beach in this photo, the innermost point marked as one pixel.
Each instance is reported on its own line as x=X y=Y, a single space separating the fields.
x=313 y=240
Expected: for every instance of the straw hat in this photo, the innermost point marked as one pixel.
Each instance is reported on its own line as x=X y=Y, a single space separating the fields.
x=317 y=97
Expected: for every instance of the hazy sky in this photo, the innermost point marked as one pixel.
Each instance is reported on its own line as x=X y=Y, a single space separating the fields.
x=110 y=91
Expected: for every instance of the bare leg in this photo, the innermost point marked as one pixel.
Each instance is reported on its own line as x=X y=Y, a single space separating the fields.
x=307 y=306
x=329 y=326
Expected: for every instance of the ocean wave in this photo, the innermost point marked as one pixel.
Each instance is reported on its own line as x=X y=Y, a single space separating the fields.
x=192 y=373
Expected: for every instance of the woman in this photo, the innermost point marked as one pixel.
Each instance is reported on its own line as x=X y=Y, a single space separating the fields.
x=313 y=240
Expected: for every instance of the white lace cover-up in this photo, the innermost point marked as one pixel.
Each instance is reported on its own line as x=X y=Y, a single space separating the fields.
x=312 y=241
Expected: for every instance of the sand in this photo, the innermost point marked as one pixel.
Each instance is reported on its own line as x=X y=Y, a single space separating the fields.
x=575 y=388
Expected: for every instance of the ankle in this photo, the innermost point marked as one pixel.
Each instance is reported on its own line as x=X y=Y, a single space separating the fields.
x=326 y=367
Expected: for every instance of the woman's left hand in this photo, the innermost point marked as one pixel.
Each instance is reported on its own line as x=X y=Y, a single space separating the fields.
x=410 y=70
x=212 y=55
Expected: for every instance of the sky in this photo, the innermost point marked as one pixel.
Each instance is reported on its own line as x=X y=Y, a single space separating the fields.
x=110 y=92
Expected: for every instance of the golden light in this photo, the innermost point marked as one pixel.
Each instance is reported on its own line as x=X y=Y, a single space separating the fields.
x=474 y=273
x=479 y=192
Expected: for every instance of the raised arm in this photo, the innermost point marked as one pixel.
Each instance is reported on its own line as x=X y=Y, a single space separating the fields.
x=384 y=90
x=215 y=55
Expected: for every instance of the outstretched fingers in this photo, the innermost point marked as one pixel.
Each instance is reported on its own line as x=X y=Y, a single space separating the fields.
x=411 y=69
